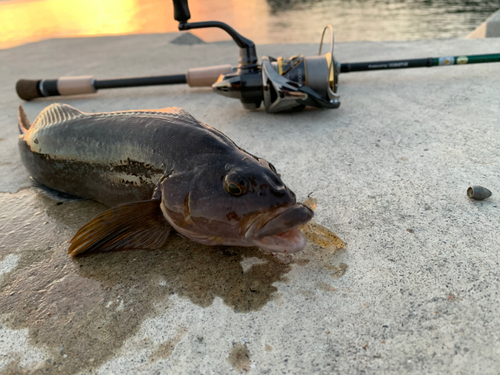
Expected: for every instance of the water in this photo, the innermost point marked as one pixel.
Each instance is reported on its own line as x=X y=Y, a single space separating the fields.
x=263 y=21
x=376 y=20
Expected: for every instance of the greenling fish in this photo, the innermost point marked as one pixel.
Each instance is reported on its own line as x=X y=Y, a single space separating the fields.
x=158 y=170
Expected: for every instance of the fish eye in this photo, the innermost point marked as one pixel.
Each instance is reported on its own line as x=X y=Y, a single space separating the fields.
x=234 y=189
x=235 y=185
x=274 y=169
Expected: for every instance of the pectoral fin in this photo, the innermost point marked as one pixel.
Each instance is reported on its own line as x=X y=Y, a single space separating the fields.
x=137 y=225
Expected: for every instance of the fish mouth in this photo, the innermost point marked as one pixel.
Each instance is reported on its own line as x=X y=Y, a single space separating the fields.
x=280 y=230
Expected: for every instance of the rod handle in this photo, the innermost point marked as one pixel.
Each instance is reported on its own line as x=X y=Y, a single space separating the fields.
x=29 y=89
x=206 y=77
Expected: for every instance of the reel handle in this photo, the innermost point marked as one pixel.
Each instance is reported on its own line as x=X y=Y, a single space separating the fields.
x=248 y=54
x=181 y=11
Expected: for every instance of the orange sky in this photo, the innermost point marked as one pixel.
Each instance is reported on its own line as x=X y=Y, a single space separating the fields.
x=25 y=21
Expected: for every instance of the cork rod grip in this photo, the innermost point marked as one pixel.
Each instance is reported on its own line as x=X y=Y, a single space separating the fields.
x=199 y=77
x=76 y=85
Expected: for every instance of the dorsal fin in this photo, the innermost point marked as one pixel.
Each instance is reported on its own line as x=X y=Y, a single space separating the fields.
x=23 y=121
x=173 y=114
x=180 y=115
x=56 y=113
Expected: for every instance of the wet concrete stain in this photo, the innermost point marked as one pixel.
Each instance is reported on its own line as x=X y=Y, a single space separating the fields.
x=164 y=351
x=301 y=262
x=12 y=368
x=81 y=311
x=308 y=294
x=325 y=287
x=338 y=271
x=239 y=357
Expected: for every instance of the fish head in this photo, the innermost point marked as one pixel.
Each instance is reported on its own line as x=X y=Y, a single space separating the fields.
x=241 y=203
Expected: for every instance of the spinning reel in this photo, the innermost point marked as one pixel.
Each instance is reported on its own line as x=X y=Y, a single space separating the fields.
x=284 y=83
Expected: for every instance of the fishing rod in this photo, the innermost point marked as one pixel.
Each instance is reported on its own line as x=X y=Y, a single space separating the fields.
x=280 y=83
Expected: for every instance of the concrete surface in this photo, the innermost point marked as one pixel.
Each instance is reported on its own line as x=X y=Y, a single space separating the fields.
x=416 y=290
x=489 y=28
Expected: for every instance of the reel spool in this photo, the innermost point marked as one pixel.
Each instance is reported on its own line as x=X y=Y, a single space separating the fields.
x=301 y=80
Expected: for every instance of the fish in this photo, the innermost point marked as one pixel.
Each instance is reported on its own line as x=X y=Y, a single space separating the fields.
x=160 y=172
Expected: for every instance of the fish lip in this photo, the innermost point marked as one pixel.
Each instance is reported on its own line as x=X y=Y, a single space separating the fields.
x=284 y=220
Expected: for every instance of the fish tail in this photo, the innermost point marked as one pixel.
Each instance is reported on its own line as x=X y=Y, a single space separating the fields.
x=23 y=122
